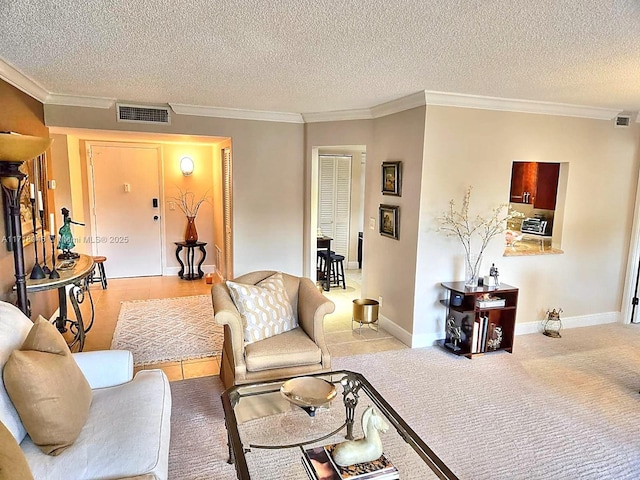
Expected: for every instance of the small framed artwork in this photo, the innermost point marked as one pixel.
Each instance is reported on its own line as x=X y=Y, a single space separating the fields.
x=392 y=178
x=390 y=221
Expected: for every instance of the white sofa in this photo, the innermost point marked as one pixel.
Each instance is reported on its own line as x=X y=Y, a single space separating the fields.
x=127 y=432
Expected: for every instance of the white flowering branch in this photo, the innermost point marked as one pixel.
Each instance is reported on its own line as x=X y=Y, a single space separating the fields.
x=188 y=203
x=456 y=223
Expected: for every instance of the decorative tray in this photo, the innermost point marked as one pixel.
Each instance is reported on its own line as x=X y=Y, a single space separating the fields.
x=66 y=265
x=308 y=392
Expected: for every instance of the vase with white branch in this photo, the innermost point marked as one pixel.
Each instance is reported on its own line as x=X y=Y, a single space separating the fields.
x=471 y=231
x=190 y=205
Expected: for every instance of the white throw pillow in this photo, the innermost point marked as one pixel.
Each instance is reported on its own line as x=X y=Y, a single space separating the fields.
x=265 y=308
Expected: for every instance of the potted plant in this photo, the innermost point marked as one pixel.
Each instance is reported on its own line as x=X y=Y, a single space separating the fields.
x=190 y=204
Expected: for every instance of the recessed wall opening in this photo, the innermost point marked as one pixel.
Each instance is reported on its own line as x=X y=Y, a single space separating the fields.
x=537 y=192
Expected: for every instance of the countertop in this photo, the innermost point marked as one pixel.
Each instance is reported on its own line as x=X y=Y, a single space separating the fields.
x=530 y=245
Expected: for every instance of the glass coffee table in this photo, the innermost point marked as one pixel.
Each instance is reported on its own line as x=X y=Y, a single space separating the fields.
x=267 y=432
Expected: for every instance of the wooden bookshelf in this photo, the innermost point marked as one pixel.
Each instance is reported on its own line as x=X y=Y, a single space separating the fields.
x=489 y=323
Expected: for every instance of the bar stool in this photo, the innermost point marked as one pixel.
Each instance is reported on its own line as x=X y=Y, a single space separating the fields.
x=337 y=271
x=322 y=258
x=99 y=264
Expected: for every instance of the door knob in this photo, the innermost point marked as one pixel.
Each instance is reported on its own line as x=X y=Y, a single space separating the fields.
x=155 y=218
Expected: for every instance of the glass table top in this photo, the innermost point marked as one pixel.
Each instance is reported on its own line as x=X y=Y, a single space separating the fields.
x=267 y=433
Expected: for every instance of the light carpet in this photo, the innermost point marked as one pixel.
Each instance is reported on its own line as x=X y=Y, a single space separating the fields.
x=168 y=329
x=555 y=409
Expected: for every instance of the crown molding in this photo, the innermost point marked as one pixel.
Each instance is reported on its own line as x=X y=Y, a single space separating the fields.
x=19 y=80
x=236 y=113
x=388 y=108
x=338 y=115
x=522 y=106
x=423 y=97
x=408 y=102
x=79 y=101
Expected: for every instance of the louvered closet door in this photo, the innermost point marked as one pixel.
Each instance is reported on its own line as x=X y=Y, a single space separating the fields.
x=334 y=201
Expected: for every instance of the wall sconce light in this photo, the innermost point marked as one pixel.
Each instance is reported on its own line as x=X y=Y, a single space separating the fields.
x=186 y=165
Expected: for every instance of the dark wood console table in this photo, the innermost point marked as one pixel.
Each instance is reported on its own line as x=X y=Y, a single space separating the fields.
x=77 y=277
x=191 y=272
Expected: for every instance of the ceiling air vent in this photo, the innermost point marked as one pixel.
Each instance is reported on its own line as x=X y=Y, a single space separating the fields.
x=623 y=121
x=143 y=114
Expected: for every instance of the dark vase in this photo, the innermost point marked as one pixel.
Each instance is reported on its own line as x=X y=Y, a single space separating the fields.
x=191 y=234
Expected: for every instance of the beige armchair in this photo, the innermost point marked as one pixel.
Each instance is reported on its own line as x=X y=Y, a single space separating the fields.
x=296 y=352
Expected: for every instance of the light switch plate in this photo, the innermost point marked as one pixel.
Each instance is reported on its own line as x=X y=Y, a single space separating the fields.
x=372 y=223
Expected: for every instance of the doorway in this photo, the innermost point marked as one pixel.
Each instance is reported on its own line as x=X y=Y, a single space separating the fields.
x=355 y=214
x=125 y=194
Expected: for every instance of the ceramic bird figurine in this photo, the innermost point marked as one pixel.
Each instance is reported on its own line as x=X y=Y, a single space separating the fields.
x=366 y=449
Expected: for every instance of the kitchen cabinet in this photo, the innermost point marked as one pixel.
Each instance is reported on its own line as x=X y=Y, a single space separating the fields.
x=535 y=183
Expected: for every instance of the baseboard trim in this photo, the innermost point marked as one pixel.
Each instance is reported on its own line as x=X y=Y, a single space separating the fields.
x=352 y=266
x=173 y=271
x=429 y=339
x=571 y=322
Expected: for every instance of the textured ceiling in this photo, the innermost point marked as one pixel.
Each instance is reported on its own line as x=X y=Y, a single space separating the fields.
x=323 y=55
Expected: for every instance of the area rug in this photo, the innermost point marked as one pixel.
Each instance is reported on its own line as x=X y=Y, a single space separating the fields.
x=168 y=329
x=555 y=409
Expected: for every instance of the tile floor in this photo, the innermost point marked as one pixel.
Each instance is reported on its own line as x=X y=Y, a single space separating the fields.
x=342 y=341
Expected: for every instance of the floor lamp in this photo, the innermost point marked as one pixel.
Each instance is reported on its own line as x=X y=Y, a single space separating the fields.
x=14 y=151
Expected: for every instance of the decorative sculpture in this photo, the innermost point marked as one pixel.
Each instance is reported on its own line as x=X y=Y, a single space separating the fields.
x=65 y=243
x=455 y=334
x=366 y=449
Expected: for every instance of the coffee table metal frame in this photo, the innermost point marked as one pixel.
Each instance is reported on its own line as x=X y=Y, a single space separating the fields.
x=353 y=384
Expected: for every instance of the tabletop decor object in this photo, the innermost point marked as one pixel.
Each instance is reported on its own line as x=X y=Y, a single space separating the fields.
x=553 y=324
x=45 y=267
x=14 y=151
x=474 y=233
x=65 y=242
x=309 y=393
x=189 y=204
x=366 y=449
x=37 y=272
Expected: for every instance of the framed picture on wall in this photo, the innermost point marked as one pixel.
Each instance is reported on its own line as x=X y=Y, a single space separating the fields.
x=390 y=221
x=392 y=178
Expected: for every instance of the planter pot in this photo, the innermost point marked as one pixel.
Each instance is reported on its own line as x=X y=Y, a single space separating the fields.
x=191 y=234
x=472 y=270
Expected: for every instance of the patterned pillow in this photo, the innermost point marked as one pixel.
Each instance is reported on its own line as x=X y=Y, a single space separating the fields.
x=265 y=308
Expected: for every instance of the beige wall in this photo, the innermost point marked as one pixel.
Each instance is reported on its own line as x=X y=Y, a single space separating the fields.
x=476 y=147
x=273 y=212
x=267 y=179
x=22 y=114
x=201 y=182
x=391 y=264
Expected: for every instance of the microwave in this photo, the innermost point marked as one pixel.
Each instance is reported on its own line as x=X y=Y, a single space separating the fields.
x=536 y=226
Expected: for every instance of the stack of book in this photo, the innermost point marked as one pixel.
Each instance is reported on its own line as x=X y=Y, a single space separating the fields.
x=491 y=302
x=320 y=466
x=482 y=331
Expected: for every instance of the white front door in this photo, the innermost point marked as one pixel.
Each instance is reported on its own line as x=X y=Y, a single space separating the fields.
x=126 y=199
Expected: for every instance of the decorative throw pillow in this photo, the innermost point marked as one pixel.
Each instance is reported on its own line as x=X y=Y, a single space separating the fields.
x=265 y=308
x=13 y=465
x=48 y=389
